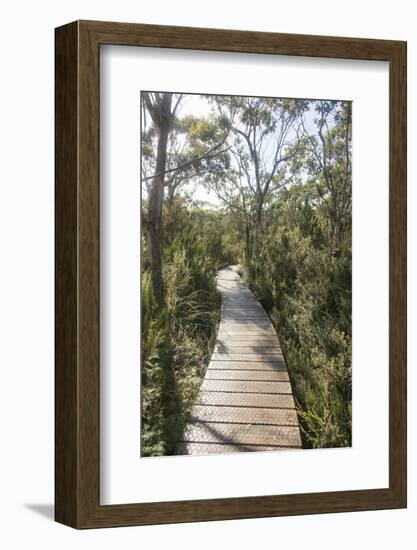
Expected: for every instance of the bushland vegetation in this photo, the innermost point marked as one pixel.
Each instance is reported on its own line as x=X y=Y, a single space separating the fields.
x=265 y=183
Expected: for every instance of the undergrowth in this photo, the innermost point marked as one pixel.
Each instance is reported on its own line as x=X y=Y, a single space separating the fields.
x=178 y=341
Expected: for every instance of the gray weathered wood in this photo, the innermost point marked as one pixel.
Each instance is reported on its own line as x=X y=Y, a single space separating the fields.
x=245 y=401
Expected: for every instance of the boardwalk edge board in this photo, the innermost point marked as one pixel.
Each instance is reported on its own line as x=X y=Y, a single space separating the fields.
x=234 y=370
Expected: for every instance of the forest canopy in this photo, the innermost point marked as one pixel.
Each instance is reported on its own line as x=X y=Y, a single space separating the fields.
x=265 y=184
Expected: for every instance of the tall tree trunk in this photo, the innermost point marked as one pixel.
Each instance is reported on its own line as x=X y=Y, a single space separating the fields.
x=155 y=259
x=247 y=243
x=258 y=221
x=170 y=401
x=154 y=225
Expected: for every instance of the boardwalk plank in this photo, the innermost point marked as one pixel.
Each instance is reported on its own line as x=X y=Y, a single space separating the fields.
x=245 y=401
x=246 y=356
x=190 y=448
x=246 y=434
x=246 y=342
x=274 y=364
x=262 y=400
x=241 y=339
x=243 y=415
x=246 y=324
x=248 y=375
x=265 y=332
x=245 y=386
x=232 y=349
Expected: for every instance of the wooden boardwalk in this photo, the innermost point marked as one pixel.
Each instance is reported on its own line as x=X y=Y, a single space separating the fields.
x=245 y=401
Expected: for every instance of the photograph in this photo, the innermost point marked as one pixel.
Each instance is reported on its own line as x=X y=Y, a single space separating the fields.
x=246 y=273
x=209 y=256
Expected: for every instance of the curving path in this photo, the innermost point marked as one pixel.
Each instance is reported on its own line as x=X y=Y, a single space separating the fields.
x=245 y=401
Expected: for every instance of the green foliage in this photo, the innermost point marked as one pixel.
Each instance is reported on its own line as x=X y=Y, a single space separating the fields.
x=302 y=275
x=307 y=291
x=177 y=343
x=282 y=171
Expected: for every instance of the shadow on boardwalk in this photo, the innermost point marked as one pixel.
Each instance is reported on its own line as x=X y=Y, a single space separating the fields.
x=245 y=401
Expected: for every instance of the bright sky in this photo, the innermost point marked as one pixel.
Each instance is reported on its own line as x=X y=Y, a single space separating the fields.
x=198 y=106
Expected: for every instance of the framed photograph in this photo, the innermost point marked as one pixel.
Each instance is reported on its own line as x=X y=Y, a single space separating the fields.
x=230 y=274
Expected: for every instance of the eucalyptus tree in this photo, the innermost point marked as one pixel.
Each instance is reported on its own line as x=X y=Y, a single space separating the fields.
x=162 y=110
x=330 y=148
x=174 y=150
x=198 y=148
x=266 y=134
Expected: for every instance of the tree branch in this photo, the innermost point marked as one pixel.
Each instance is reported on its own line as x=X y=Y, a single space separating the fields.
x=191 y=161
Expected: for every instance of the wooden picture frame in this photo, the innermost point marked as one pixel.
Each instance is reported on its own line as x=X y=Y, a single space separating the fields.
x=77 y=382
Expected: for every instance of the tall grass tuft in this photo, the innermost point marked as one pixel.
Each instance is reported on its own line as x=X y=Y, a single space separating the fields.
x=307 y=293
x=177 y=342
